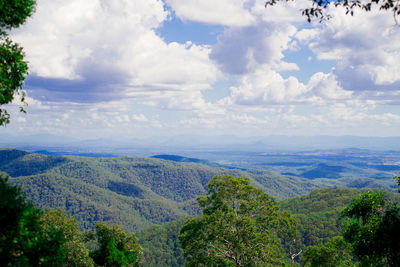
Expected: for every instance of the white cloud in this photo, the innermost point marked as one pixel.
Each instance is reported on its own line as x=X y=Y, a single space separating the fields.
x=139 y=117
x=366 y=47
x=97 y=51
x=100 y=66
x=221 y=12
x=285 y=11
x=61 y=34
x=326 y=87
x=265 y=87
x=242 y=50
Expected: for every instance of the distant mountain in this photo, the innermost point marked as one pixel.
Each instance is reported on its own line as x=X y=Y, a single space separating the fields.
x=189 y=145
x=177 y=158
x=80 y=154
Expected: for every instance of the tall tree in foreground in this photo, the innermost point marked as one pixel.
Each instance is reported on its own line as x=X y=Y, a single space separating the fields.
x=26 y=237
x=239 y=226
x=55 y=223
x=13 y=68
x=373 y=229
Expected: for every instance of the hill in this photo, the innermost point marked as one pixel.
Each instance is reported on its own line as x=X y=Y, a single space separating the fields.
x=135 y=192
x=132 y=191
x=317 y=213
x=139 y=193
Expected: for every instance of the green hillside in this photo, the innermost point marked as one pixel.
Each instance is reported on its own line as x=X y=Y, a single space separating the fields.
x=131 y=191
x=134 y=192
x=317 y=213
x=161 y=246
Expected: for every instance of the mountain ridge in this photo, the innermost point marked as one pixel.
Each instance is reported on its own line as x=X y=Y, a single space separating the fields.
x=137 y=192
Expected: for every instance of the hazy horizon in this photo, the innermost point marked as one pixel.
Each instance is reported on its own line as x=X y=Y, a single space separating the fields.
x=195 y=144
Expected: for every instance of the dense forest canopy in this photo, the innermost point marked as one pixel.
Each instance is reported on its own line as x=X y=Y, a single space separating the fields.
x=141 y=192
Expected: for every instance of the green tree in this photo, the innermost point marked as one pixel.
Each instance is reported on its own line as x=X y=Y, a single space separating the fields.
x=336 y=252
x=74 y=252
x=13 y=68
x=23 y=239
x=318 y=7
x=18 y=222
x=372 y=227
x=116 y=247
x=239 y=226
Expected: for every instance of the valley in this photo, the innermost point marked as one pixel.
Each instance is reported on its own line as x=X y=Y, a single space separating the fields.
x=152 y=196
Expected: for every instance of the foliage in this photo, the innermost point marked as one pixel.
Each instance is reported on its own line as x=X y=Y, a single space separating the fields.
x=239 y=227
x=318 y=216
x=140 y=192
x=336 y=252
x=18 y=222
x=13 y=68
x=14 y=13
x=397 y=179
x=318 y=8
x=116 y=247
x=318 y=213
x=56 y=222
x=373 y=227
x=161 y=246
x=134 y=192
x=24 y=240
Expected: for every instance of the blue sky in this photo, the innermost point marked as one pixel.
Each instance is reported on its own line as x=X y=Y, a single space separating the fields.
x=138 y=68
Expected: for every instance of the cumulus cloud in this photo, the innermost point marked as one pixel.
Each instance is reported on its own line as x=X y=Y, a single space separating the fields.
x=243 y=49
x=221 y=12
x=100 y=64
x=265 y=87
x=96 y=50
x=366 y=47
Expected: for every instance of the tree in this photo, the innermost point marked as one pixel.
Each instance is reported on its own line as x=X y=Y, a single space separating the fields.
x=13 y=68
x=239 y=226
x=116 y=247
x=18 y=222
x=336 y=252
x=372 y=227
x=318 y=7
x=74 y=252
x=23 y=239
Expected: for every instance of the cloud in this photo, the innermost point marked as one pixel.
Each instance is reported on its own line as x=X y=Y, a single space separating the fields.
x=265 y=87
x=241 y=50
x=97 y=50
x=366 y=47
x=326 y=87
x=101 y=66
x=140 y=117
x=221 y=12
x=283 y=12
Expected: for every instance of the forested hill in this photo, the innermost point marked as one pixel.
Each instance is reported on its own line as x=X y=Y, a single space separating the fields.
x=318 y=215
x=130 y=191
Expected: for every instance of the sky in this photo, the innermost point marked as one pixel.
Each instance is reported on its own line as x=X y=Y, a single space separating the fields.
x=139 y=68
